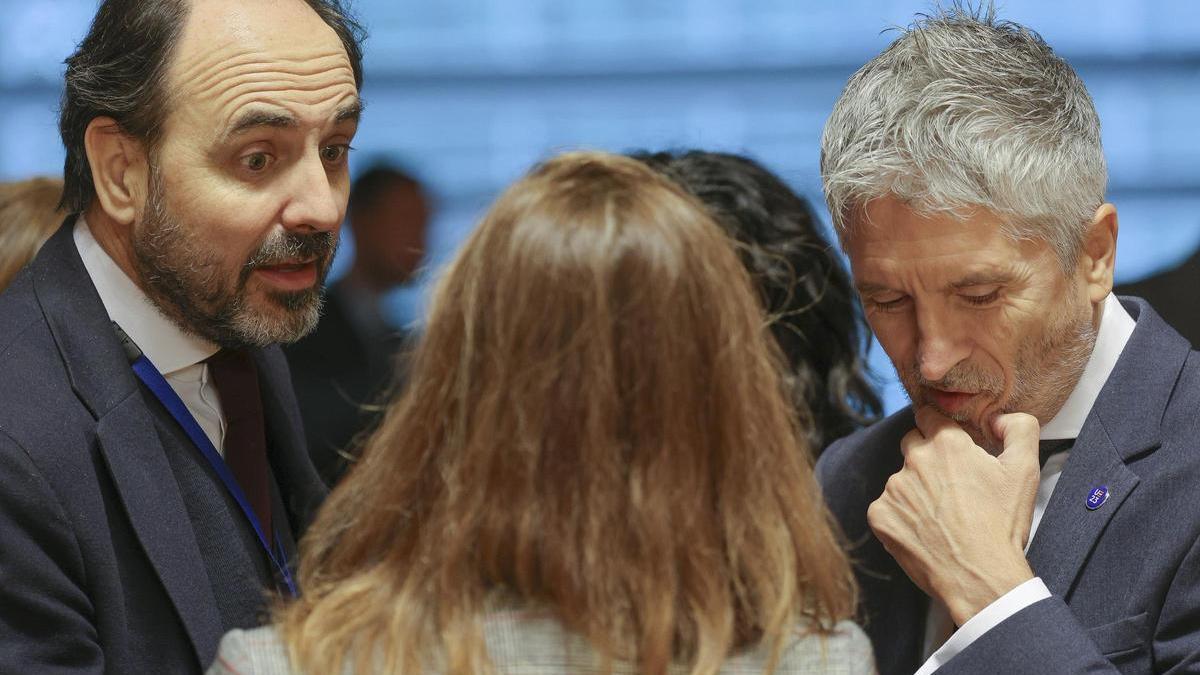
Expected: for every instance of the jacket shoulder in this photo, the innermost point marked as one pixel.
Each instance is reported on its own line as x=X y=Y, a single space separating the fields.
x=38 y=406
x=845 y=649
x=853 y=471
x=18 y=311
x=873 y=450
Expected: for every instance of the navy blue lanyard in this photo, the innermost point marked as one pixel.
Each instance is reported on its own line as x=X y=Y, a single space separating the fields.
x=166 y=395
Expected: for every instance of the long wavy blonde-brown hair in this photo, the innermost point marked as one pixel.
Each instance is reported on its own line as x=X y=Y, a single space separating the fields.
x=594 y=424
x=29 y=214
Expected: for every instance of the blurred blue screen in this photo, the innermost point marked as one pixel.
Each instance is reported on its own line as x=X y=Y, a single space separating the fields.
x=469 y=93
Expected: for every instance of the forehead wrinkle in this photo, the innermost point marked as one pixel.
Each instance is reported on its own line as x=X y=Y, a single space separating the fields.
x=889 y=272
x=206 y=75
x=321 y=110
x=304 y=89
x=229 y=84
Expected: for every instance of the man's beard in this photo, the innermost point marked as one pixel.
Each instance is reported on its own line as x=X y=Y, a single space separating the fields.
x=1046 y=370
x=185 y=279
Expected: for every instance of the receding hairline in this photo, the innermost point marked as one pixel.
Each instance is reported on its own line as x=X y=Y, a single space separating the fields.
x=255 y=39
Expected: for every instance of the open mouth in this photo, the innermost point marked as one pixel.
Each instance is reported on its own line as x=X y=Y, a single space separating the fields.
x=289 y=275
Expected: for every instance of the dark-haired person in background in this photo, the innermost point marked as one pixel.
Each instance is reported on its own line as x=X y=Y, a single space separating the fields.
x=342 y=368
x=153 y=474
x=814 y=312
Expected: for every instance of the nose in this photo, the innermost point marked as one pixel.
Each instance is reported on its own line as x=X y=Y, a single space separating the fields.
x=316 y=202
x=942 y=344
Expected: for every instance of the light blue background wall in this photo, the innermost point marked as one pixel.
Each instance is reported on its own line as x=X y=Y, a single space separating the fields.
x=471 y=92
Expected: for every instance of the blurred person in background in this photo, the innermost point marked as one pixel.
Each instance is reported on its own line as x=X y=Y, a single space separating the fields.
x=814 y=312
x=29 y=214
x=342 y=369
x=153 y=471
x=595 y=466
x=1033 y=510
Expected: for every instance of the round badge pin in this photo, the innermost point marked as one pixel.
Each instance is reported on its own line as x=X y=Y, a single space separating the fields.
x=1096 y=497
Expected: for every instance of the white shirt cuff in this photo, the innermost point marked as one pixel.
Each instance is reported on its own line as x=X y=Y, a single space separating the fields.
x=1001 y=608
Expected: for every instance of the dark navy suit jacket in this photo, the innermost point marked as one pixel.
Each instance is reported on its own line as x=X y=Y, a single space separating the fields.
x=341 y=374
x=1125 y=578
x=120 y=550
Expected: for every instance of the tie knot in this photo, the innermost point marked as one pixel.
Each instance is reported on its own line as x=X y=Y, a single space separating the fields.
x=231 y=359
x=236 y=380
x=1049 y=447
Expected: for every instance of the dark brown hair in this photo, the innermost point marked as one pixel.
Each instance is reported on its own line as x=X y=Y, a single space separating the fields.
x=120 y=69
x=814 y=311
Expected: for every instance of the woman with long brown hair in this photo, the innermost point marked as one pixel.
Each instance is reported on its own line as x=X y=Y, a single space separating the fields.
x=593 y=468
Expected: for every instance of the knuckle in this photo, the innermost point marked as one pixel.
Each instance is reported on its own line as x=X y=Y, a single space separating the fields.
x=918 y=455
x=891 y=486
x=876 y=512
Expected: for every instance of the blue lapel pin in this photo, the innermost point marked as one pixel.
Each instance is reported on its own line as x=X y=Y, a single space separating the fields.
x=1096 y=497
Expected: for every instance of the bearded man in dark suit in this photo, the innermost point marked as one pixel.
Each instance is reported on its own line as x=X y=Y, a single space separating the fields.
x=964 y=172
x=153 y=472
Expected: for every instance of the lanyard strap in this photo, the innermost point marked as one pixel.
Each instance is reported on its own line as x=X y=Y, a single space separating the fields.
x=162 y=390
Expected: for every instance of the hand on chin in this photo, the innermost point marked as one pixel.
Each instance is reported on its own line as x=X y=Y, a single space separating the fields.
x=955 y=517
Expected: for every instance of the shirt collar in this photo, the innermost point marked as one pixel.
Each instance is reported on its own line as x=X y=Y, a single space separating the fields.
x=1116 y=326
x=164 y=343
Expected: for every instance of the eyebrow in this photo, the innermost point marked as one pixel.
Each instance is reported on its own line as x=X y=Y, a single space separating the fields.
x=867 y=287
x=257 y=119
x=981 y=279
x=973 y=279
x=351 y=112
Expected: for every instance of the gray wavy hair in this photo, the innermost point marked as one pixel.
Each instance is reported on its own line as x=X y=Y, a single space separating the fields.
x=962 y=112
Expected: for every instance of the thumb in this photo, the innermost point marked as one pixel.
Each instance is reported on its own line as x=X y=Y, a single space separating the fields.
x=1019 y=434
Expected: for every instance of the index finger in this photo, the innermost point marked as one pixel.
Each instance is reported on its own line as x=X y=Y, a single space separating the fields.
x=1019 y=431
x=930 y=421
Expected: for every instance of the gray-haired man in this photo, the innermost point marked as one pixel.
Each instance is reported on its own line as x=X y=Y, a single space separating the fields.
x=965 y=176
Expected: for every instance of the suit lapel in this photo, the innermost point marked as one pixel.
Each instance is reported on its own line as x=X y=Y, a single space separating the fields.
x=1069 y=529
x=136 y=459
x=102 y=379
x=1123 y=423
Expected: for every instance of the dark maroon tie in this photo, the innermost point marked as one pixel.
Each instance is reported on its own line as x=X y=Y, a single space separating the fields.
x=236 y=380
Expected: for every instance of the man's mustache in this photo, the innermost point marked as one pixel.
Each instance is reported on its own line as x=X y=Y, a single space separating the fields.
x=958 y=380
x=287 y=247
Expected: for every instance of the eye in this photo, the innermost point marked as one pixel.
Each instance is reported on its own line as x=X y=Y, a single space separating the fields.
x=981 y=299
x=888 y=303
x=335 y=154
x=257 y=162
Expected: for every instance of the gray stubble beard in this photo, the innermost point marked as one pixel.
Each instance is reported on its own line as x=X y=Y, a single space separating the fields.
x=185 y=281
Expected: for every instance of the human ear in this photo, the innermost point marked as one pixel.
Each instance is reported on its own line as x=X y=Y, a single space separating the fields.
x=1098 y=258
x=119 y=169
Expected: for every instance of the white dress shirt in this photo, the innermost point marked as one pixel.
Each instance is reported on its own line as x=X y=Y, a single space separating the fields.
x=1116 y=326
x=177 y=354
